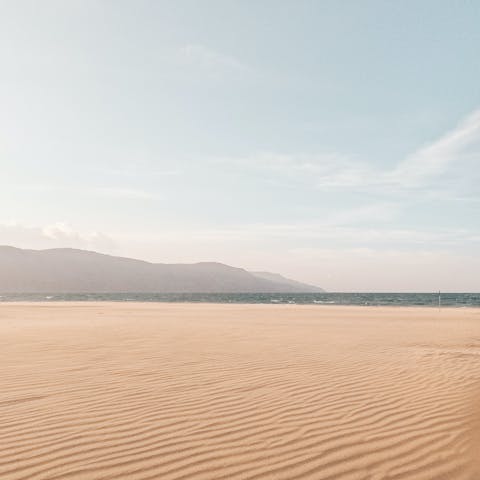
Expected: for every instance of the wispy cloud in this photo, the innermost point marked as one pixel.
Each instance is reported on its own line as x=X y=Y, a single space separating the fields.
x=460 y=145
x=139 y=170
x=125 y=193
x=449 y=164
x=54 y=235
x=210 y=60
x=327 y=169
x=120 y=193
x=325 y=233
x=201 y=60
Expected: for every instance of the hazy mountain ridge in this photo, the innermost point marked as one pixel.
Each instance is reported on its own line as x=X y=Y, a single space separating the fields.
x=280 y=279
x=66 y=270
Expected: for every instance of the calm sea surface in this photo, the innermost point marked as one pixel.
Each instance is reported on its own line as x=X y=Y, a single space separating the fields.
x=406 y=299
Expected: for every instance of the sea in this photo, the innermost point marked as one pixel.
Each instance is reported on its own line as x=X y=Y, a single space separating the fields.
x=336 y=298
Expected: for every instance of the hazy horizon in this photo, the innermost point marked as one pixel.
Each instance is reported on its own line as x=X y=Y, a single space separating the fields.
x=334 y=143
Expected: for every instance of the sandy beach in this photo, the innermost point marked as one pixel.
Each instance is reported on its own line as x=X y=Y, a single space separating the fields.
x=201 y=391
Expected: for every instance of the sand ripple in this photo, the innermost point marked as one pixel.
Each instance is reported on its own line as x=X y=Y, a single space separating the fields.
x=143 y=391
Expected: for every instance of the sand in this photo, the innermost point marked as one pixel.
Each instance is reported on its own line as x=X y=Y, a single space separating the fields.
x=175 y=391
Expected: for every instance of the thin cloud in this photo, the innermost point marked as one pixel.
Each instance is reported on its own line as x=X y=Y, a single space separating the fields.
x=460 y=145
x=449 y=165
x=326 y=233
x=54 y=235
x=126 y=193
x=139 y=171
x=208 y=59
x=121 y=193
x=327 y=169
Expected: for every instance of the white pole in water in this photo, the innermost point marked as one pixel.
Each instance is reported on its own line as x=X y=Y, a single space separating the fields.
x=439 y=299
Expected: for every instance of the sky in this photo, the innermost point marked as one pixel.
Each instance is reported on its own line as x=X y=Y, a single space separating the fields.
x=335 y=142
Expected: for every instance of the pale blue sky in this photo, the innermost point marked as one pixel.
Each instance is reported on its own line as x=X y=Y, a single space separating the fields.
x=337 y=142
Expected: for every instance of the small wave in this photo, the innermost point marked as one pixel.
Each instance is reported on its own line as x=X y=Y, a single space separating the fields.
x=388 y=299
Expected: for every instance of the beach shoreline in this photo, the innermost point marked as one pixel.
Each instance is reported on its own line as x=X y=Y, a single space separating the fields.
x=80 y=303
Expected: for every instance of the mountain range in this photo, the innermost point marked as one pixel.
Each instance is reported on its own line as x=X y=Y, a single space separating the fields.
x=67 y=270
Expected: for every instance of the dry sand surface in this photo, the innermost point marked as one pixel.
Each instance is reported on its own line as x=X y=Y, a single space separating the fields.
x=174 y=391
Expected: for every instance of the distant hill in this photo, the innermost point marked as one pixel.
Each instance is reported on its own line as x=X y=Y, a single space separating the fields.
x=287 y=282
x=66 y=270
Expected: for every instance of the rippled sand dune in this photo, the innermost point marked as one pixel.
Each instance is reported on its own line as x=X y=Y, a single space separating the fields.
x=172 y=391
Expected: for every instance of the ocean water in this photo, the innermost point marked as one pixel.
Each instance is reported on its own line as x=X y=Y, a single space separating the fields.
x=375 y=299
